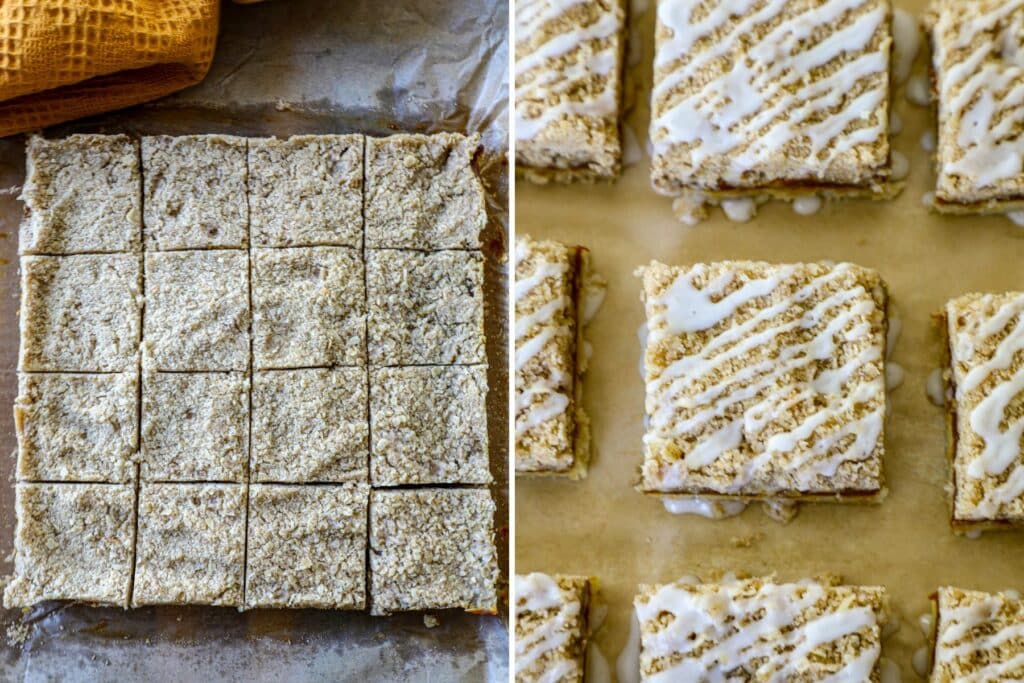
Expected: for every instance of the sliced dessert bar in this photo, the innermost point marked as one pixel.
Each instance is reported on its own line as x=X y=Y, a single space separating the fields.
x=552 y=627
x=977 y=49
x=83 y=193
x=73 y=542
x=781 y=99
x=978 y=637
x=569 y=66
x=756 y=629
x=764 y=381
x=986 y=350
x=551 y=428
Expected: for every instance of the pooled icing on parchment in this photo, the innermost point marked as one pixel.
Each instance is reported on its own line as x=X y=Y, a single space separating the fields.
x=765 y=100
x=594 y=59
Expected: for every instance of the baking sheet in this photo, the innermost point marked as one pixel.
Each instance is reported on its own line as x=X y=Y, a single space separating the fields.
x=287 y=67
x=602 y=527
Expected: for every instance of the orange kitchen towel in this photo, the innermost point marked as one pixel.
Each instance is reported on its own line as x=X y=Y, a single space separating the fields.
x=64 y=59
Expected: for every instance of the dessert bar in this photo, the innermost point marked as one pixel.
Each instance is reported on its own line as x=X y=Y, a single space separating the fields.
x=552 y=626
x=978 y=636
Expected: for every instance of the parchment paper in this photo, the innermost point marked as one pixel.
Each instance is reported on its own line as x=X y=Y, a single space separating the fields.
x=286 y=67
x=601 y=526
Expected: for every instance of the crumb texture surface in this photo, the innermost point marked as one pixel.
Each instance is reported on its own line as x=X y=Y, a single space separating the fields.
x=551 y=624
x=73 y=542
x=432 y=549
x=758 y=630
x=979 y=637
x=82 y=193
x=764 y=379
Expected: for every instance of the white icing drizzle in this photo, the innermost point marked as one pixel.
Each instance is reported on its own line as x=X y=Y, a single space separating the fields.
x=632 y=152
x=591 y=70
x=926 y=622
x=807 y=206
x=739 y=210
x=984 y=92
x=540 y=593
x=724 y=628
x=627 y=665
x=704 y=507
x=894 y=375
x=900 y=166
x=810 y=448
x=970 y=629
x=921 y=661
x=936 y=387
x=919 y=92
x=765 y=101
x=1001 y=454
x=598 y=670
x=548 y=396
x=889 y=671
x=928 y=200
x=895 y=123
x=1017 y=218
x=928 y=141
x=906 y=43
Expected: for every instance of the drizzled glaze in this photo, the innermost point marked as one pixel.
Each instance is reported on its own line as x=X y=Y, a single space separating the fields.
x=980 y=636
x=1000 y=457
x=979 y=59
x=540 y=595
x=741 y=119
x=770 y=632
x=843 y=406
x=593 y=58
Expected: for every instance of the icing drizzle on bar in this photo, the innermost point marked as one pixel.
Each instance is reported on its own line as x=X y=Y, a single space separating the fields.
x=983 y=91
x=767 y=631
x=584 y=84
x=844 y=407
x=548 y=396
x=979 y=637
x=539 y=594
x=1001 y=455
x=766 y=100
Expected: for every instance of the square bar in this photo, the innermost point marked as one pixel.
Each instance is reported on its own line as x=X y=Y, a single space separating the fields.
x=976 y=72
x=422 y=192
x=308 y=307
x=80 y=313
x=73 y=542
x=197 y=310
x=425 y=308
x=429 y=425
x=986 y=340
x=307 y=546
x=191 y=547
x=77 y=427
x=977 y=636
x=785 y=100
x=195 y=190
x=756 y=629
x=310 y=425
x=306 y=191
x=552 y=627
x=551 y=428
x=569 y=74
x=195 y=426
x=432 y=549
x=764 y=382
x=82 y=193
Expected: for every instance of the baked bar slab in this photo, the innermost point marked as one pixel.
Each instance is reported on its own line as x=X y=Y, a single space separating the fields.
x=429 y=425
x=197 y=310
x=425 y=308
x=432 y=549
x=191 y=545
x=80 y=313
x=976 y=68
x=307 y=547
x=764 y=380
x=195 y=426
x=195 y=192
x=75 y=427
x=422 y=192
x=758 y=630
x=986 y=349
x=569 y=64
x=979 y=637
x=83 y=193
x=310 y=425
x=551 y=627
x=788 y=93
x=547 y=334
x=306 y=191
x=308 y=307
x=73 y=542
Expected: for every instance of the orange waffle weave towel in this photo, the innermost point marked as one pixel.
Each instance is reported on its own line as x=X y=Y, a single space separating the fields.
x=64 y=59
